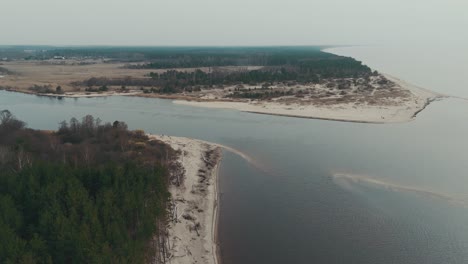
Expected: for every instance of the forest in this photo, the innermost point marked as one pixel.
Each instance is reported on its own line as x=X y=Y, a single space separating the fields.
x=175 y=56
x=240 y=56
x=303 y=66
x=90 y=192
x=191 y=69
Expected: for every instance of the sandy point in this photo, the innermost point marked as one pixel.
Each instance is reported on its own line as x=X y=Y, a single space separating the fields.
x=387 y=110
x=193 y=210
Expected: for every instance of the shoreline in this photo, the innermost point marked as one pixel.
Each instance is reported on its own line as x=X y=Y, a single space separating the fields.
x=215 y=247
x=192 y=233
x=404 y=111
x=318 y=118
x=192 y=151
x=75 y=94
x=400 y=111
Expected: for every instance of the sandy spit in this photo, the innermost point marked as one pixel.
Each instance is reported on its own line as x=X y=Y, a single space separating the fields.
x=401 y=111
x=193 y=222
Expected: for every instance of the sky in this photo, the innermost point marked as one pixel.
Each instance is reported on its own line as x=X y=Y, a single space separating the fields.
x=233 y=22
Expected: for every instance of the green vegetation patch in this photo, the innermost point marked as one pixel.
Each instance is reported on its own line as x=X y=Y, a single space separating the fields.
x=89 y=193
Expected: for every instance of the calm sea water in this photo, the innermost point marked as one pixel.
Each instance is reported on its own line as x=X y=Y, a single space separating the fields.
x=407 y=204
x=440 y=68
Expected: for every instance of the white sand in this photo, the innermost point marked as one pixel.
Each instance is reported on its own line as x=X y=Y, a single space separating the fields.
x=397 y=111
x=198 y=201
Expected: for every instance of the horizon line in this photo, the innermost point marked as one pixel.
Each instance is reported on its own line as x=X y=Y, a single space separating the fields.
x=182 y=46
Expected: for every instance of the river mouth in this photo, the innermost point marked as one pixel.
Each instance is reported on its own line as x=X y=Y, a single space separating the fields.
x=294 y=212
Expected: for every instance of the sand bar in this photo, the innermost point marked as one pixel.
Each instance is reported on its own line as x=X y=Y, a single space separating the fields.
x=192 y=223
x=396 y=111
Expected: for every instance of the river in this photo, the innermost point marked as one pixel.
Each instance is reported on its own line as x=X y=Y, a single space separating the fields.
x=399 y=194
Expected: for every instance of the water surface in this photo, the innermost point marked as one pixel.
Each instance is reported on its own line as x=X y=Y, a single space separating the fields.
x=295 y=211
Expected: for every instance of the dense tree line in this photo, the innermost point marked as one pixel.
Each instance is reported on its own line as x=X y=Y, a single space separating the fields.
x=173 y=81
x=238 y=55
x=88 y=193
x=229 y=56
x=305 y=59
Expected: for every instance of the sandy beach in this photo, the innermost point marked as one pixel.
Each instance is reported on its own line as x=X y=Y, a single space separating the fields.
x=393 y=111
x=194 y=203
x=362 y=100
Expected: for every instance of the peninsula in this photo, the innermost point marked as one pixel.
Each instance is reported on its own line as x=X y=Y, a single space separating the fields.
x=98 y=192
x=289 y=81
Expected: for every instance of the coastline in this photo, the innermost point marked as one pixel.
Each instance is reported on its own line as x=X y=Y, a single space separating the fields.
x=75 y=94
x=215 y=219
x=192 y=230
x=399 y=112
x=394 y=110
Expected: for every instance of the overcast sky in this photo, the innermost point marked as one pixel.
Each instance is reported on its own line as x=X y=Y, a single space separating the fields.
x=233 y=22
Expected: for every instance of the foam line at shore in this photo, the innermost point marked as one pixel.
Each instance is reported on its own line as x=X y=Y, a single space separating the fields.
x=241 y=154
x=458 y=97
x=235 y=151
x=351 y=178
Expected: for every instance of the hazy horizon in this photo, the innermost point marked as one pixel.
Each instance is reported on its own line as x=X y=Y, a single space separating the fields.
x=229 y=23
